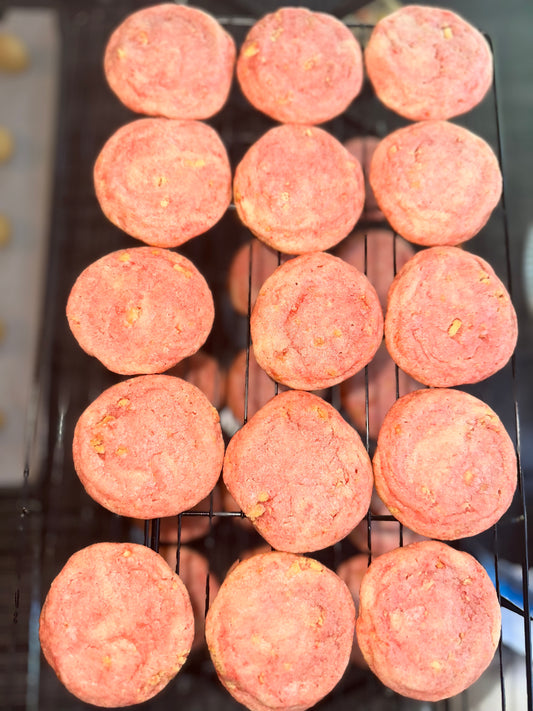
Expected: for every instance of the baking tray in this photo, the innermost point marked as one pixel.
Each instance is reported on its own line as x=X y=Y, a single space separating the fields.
x=54 y=516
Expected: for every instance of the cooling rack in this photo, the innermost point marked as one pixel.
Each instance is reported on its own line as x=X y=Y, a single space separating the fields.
x=54 y=516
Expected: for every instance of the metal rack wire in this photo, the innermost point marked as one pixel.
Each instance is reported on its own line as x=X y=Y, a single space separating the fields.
x=55 y=515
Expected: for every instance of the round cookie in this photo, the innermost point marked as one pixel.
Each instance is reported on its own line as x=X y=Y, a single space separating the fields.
x=149 y=446
x=117 y=624
x=298 y=189
x=299 y=66
x=140 y=310
x=445 y=465
x=280 y=631
x=383 y=381
x=171 y=60
x=264 y=261
x=317 y=321
x=202 y=585
x=429 y=620
x=437 y=183
x=299 y=472
x=385 y=251
x=362 y=148
x=449 y=320
x=428 y=63
x=163 y=181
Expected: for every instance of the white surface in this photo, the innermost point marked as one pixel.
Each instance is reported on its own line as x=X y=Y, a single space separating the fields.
x=27 y=110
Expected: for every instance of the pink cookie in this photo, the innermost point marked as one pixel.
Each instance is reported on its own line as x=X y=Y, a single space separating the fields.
x=428 y=63
x=299 y=472
x=163 y=181
x=280 y=631
x=445 y=465
x=171 y=60
x=450 y=320
x=298 y=189
x=429 y=620
x=299 y=66
x=140 y=310
x=317 y=321
x=436 y=182
x=117 y=624
x=149 y=446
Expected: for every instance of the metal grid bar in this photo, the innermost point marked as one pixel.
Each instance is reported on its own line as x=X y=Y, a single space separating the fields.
x=521 y=487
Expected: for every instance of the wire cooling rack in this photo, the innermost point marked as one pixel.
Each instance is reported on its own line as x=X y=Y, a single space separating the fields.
x=54 y=515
